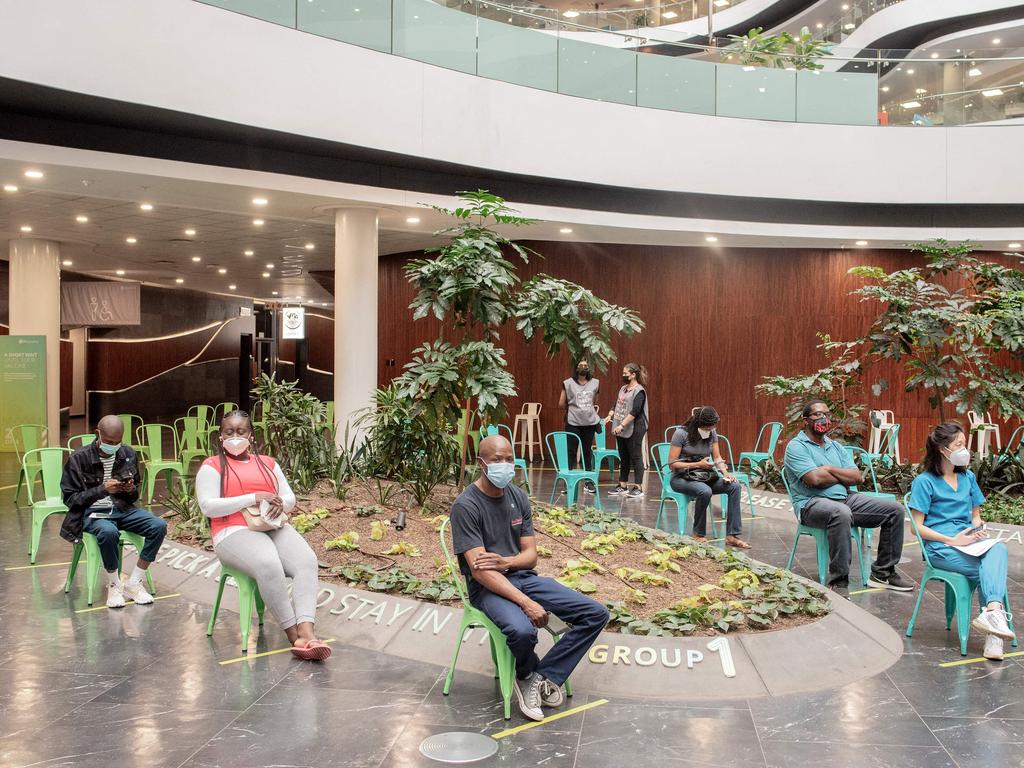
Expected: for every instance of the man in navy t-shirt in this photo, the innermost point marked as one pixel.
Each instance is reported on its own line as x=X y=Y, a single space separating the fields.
x=492 y=530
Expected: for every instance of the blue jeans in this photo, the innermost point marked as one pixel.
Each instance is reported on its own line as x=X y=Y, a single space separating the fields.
x=989 y=570
x=702 y=493
x=586 y=618
x=107 y=533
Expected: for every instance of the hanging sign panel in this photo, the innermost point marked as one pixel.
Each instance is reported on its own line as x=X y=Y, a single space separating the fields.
x=293 y=323
x=99 y=304
x=23 y=383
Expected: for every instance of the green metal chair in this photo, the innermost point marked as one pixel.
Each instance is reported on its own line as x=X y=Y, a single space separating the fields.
x=601 y=450
x=94 y=561
x=474 y=618
x=474 y=434
x=669 y=431
x=659 y=458
x=132 y=424
x=206 y=416
x=558 y=446
x=506 y=431
x=762 y=454
x=156 y=463
x=1014 y=444
x=190 y=442
x=820 y=536
x=51 y=463
x=248 y=595
x=80 y=441
x=741 y=477
x=959 y=592
x=28 y=438
x=258 y=419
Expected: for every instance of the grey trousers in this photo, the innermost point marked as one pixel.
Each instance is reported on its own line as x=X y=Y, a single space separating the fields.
x=268 y=558
x=864 y=512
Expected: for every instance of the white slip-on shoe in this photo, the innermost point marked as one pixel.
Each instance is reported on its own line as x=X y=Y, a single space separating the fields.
x=993 y=648
x=115 y=596
x=134 y=590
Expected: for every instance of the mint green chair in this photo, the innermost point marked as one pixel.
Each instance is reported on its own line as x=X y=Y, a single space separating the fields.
x=94 y=561
x=764 y=453
x=1014 y=444
x=659 y=458
x=474 y=618
x=191 y=444
x=741 y=477
x=248 y=595
x=80 y=441
x=558 y=446
x=820 y=536
x=602 y=452
x=156 y=463
x=51 y=463
x=28 y=438
x=959 y=592
x=205 y=414
x=669 y=431
x=506 y=432
x=132 y=424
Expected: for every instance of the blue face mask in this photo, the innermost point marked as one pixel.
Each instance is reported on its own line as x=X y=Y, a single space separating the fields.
x=500 y=473
x=109 y=450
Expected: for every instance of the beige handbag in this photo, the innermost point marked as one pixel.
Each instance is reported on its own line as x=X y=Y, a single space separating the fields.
x=255 y=521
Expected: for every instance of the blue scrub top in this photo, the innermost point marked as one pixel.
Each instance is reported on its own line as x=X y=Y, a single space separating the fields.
x=945 y=510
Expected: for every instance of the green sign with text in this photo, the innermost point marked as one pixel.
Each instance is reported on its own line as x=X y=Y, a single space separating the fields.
x=22 y=385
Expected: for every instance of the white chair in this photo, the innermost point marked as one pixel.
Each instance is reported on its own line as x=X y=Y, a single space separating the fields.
x=885 y=421
x=529 y=417
x=982 y=431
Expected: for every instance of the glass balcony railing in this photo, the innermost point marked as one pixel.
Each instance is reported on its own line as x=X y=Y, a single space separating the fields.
x=849 y=87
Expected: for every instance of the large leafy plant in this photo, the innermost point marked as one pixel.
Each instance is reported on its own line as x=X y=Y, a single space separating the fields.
x=781 y=51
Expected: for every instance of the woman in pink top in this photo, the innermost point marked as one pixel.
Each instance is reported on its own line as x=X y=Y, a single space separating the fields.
x=237 y=478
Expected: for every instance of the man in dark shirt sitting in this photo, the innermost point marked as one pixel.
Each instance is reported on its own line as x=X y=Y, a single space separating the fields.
x=492 y=530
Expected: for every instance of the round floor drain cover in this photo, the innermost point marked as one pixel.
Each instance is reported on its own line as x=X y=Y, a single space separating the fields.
x=458 y=747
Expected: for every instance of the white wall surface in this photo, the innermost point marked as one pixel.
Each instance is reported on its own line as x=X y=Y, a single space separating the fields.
x=185 y=56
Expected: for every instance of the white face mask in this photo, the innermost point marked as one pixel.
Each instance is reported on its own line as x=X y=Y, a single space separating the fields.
x=961 y=457
x=704 y=433
x=236 y=446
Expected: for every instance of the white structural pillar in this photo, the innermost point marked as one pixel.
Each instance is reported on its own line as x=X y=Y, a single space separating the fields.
x=35 y=311
x=355 y=311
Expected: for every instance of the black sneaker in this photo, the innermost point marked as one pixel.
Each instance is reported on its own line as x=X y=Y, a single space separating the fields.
x=841 y=588
x=588 y=487
x=618 y=490
x=635 y=493
x=893 y=581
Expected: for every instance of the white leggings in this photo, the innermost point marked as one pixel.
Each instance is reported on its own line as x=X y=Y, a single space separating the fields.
x=270 y=556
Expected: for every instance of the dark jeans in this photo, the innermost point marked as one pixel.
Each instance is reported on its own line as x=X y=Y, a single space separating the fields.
x=702 y=493
x=631 y=456
x=107 y=533
x=586 y=618
x=864 y=512
x=586 y=436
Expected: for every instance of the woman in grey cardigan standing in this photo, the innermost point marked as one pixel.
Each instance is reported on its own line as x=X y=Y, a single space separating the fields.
x=629 y=420
x=579 y=400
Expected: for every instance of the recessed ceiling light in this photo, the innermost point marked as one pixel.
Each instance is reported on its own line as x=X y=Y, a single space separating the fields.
x=935 y=55
x=10 y=187
x=721 y=3
x=996 y=41
x=711 y=239
x=146 y=207
x=270 y=266
x=222 y=271
x=669 y=15
x=249 y=253
x=324 y=303
x=26 y=228
x=266 y=274
x=862 y=242
x=33 y=174
x=885 y=89
x=819 y=25
x=850 y=25
x=846 y=7
x=258 y=222
x=413 y=220
x=82 y=219
x=131 y=240
x=566 y=230
x=571 y=14
x=310 y=246
x=189 y=232
x=920 y=91
x=232 y=287
x=1014 y=246
x=911 y=104
x=67 y=262
x=259 y=201
x=197 y=258
x=179 y=280
x=273 y=293
x=119 y=272
x=993 y=92
x=910 y=71
x=974 y=72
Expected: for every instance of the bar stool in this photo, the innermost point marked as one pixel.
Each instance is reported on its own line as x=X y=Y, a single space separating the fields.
x=882 y=422
x=983 y=430
x=529 y=417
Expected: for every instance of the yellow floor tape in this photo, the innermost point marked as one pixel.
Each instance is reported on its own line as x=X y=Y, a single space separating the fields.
x=37 y=565
x=862 y=591
x=975 y=661
x=128 y=602
x=559 y=716
x=266 y=653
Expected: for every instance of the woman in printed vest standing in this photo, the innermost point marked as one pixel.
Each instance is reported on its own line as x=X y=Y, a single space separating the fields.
x=629 y=419
x=579 y=400
x=247 y=499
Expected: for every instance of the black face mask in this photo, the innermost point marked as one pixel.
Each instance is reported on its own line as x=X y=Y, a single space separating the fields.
x=625 y=379
x=583 y=372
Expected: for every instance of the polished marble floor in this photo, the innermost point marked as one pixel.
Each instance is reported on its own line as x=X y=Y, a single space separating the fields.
x=145 y=686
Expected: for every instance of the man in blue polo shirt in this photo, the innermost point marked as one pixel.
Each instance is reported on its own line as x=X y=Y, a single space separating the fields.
x=820 y=473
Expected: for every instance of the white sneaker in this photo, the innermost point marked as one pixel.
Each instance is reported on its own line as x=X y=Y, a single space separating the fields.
x=993 y=622
x=115 y=596
x=528 y=693
x=993 y=648
x=134 y=590
x=550 y=694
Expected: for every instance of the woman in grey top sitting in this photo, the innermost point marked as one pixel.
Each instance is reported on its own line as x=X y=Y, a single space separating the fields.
x=579 y=400
x=698 y=470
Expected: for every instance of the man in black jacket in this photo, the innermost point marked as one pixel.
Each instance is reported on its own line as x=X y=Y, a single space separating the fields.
x=100 y=486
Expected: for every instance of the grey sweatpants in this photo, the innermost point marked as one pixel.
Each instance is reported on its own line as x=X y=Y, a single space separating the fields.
x=268 y=558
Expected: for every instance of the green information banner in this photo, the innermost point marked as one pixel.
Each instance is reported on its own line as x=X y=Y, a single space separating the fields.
x=22 y=385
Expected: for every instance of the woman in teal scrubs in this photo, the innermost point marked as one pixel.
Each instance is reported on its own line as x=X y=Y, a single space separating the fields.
x=946 y=503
